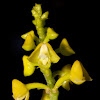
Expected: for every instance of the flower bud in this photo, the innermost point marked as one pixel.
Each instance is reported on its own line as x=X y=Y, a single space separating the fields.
x=45 y=15
x=38 y=9
x=45 y=96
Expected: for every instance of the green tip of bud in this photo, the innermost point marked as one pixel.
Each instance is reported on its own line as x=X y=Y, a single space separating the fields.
x=45 y=15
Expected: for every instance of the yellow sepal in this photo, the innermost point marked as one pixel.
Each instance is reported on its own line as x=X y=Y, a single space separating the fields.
x=65 y=48
x=19 y=90
x=29 y=67
x=29 y=44
x=53 y=56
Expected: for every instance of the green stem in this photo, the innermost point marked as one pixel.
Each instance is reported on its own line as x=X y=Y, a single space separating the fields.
x=48 y=77
x=54 y=96
x=50 y=83
x=36 y=85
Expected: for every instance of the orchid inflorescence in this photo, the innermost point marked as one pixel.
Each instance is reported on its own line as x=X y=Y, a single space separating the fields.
x=42 y=56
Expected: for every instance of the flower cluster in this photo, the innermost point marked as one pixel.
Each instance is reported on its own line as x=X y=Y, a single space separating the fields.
x=42 y=57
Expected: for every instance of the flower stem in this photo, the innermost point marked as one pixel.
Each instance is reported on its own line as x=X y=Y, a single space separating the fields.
x=36 y=85
x=48 y=77
x=50 y=83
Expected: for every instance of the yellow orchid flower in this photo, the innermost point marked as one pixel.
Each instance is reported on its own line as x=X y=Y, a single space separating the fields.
x=51 y=35
x=19 y=90
x=43 y=56
x=29 y=43
x=78 y=74
x=65 y=48
x=29 y=67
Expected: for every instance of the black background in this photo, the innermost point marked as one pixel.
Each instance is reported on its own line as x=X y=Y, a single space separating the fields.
x=74 y=20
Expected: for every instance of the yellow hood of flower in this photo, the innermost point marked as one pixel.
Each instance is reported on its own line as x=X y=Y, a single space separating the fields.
x=78 y=73
x=19 y=90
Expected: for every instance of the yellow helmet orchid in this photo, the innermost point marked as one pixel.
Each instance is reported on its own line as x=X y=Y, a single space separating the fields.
x=51 y=35
x=43 y=56
x=29 y=67
x=29 y=43
x=65 y=48
x=19 y=90
x=78 y=73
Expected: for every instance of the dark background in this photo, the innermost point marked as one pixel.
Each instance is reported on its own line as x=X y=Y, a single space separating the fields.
x=74 y=20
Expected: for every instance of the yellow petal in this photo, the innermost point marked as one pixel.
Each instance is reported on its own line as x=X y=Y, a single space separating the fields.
x=19 y=89
x=44 y=56
x=77 y=73
x=29 y=67
x=34 y=55
x=30 y=32
x=53 y=56
x=29 y=44
x=51 y=34
x=65 y=48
